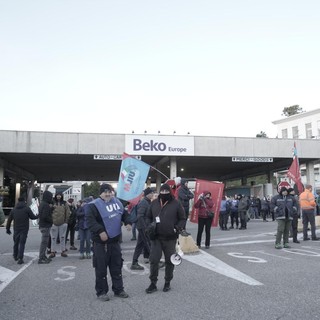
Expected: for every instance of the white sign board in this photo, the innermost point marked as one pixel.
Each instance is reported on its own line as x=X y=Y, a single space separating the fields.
x=159 y=145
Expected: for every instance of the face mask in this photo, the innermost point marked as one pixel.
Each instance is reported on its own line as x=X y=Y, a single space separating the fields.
x=165 y=196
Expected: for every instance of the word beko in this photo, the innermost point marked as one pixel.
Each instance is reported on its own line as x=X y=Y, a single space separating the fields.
x=154 y=146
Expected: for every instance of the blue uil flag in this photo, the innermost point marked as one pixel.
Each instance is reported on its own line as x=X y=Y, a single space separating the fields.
x=132 y=177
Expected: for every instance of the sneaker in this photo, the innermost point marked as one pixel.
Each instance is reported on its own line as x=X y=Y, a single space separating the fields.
x=43 y=261
x=152 y=288
x=286 y=245
x=73 y=248
x=166 y=287
x=184 y=233
x=121 y=294
x=64 y=254
x=81 y=256
x=20 y=261
x=296 y=241
x=88 y=256
x=306 y=239
x=207 y=247
x=52 y=254
x=15 y=258
x=104 y=297
x=136 y=266
x=278 y=246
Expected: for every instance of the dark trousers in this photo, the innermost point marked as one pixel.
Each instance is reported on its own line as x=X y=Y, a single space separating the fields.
x=204 y=222
x=143 y=244
x=243 y=219
x=19 y=242
x=72 y=231
x=264 y=214
x=186 y=210
x=45 y=236
x=168 y=247
x=294 y=227
x=309 y=216
x=234 y=216
x=107 y=256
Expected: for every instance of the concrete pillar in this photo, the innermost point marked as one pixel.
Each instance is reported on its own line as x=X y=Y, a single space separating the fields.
x=173 y=167
x=310 y=173
x=158 y=181
x=30 y=192
x=1 y=176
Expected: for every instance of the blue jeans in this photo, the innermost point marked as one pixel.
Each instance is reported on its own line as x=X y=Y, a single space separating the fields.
x=84 y=239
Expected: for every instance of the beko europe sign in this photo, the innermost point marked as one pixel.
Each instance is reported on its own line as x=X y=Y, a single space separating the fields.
x=159 y=145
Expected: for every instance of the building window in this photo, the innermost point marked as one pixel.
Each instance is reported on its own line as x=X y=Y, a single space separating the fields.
x=308 y=131
x=284 y=133
x=295 y=132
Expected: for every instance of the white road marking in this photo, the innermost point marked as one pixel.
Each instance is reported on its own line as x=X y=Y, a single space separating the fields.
x=208 y=261
x=250 y=258
x=270 y=254
x=7 y=275
x=241 y=243
x=68 y=275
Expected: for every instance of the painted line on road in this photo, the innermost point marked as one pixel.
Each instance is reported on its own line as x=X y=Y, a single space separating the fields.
x=210 y=262
x=8 y=275
x=270 y=254
x=241 y=243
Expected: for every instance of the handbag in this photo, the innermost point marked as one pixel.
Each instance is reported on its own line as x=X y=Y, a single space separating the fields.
x=210 y=213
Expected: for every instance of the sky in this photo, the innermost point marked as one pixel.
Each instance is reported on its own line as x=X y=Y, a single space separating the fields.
x=208 y=67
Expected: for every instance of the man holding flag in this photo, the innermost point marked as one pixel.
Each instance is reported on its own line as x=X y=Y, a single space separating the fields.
x=294 y=170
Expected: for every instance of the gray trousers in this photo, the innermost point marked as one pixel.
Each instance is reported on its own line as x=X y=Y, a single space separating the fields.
x=283 y=230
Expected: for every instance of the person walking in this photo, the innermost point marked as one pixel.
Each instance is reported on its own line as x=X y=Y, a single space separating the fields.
x=308 y=207
x=105 y=216
x=20 y=216
x=45 y=223
x=143 y=242
x=204 y=204
x=71 y=224
x=284 y=207
x=243 y=206
x=165 y=219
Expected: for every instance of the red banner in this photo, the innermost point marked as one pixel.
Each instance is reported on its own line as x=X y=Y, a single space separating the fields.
x=294 y=171
x=216 y=189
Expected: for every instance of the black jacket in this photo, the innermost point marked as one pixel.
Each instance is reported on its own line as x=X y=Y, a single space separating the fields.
x=142 y=209
x=184 y=196
x=172 y=218
x=45 y=210
x=20 y=214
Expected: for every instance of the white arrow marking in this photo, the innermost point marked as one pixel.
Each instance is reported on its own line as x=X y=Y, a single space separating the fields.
x=208 y=261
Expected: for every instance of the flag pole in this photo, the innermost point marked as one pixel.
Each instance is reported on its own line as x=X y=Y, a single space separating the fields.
x=159 y=172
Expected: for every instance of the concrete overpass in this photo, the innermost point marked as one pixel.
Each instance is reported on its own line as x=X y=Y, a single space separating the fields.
x=62 y=156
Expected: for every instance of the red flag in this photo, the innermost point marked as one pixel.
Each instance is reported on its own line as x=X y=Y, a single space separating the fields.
x=294 y=171
x=216 y=189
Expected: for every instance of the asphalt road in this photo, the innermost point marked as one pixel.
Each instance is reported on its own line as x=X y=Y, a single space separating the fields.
x=241 y=276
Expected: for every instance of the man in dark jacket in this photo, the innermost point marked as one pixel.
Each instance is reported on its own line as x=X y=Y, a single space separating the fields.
x=143 y=242
x=184 y=196
x=167 y=217
x=45 y=224
x=20 y=214
x=104 y=217
x=284 y=207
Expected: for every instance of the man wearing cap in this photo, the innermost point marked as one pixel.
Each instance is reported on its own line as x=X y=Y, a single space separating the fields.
x=143 y=242
x=166 y=218
x=104 y=217
x=284 y=207
x=308 y=207
x=295 y=217
x=20 y=214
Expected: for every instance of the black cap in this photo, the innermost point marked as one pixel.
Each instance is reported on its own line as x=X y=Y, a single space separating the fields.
x=165 y=186
x=147 y=191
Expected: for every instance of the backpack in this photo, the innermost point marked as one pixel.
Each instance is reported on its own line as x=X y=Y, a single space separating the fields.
x=134 y=214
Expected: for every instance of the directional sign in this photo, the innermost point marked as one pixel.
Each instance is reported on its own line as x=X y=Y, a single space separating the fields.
x=111 y=157
x=251 y=159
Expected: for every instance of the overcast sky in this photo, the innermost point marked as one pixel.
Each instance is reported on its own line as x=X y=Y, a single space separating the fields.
x=208 y=67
